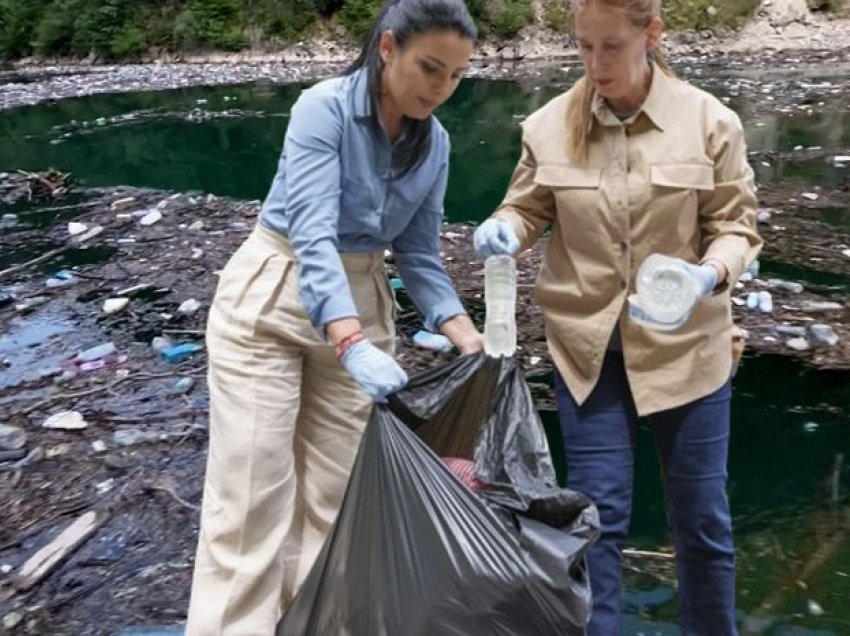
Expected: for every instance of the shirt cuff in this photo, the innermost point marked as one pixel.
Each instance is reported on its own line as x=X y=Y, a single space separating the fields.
x=332 y=309
x=441 y=312
x=730 y=251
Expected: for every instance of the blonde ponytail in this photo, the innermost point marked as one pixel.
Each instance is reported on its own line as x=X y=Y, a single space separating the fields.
x=580 y=118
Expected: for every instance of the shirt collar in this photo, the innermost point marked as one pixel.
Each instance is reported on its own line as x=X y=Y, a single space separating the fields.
x=361 y=102
x=655 y=106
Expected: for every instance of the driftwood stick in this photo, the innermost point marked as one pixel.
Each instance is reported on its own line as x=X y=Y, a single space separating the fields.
x=648 y=553
x=45 y=560
x=44 y=257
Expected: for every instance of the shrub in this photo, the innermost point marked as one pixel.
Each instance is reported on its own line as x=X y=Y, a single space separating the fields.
x=507 y=17
x=54 y=33
x=555 y=15
x=357 y=15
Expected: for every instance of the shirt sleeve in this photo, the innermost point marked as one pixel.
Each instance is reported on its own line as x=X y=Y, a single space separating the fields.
x=311 y=161
x=728 y=213
x=417 y=255
x=528 y=206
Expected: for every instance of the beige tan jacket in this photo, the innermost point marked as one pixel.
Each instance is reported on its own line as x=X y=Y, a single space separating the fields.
x=672 y=179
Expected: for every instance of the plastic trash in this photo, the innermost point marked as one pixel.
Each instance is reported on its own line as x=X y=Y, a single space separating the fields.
x=189 y=307
x=184 y=385
x=397 y=284
x=75 y=228
x=180 y=352
x=62 y=278
x=160 y=343
x=102 y=363
x=414 y=551
x=153 y=216
x=434 y=341
x=753 y=300
x=666 y=293
x=500 y=300
x=823 y=334
x=96 y=352
x=115 y=305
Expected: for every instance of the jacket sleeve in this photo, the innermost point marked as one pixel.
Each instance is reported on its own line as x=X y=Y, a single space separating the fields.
x=311 y=162
x=528 y=206
x=727 y=214
x=417 y=255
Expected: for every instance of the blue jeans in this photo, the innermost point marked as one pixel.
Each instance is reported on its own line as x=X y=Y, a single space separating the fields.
x=692 y=442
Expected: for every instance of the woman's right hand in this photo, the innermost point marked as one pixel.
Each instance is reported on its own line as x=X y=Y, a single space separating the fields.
x=375 y=371
x=495 y=236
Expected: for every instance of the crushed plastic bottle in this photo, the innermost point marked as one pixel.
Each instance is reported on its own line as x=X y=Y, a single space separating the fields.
x=665 y=290
x=180 y=352
x=500 y=300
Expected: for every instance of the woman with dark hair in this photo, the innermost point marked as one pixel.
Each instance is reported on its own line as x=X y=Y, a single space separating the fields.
x=301 y=331
x=629 y=162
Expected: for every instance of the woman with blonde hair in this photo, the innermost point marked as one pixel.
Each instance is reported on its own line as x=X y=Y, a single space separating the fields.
x=629 y=162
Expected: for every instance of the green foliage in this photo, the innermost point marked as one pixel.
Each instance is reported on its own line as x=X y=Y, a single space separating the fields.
x=214 y=24
x=130 y=41
x=507 y=17
x=18 y=20
x=55 y=31
x=285 y=19
x=706 y=14
x=555 y=15
x=98 y=24
x=357 y=15
x=127 y=28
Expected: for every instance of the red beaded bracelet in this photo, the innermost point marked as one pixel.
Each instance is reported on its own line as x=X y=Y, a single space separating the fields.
x=346 y=343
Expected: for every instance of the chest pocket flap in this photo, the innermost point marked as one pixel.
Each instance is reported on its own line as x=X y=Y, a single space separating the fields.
x=685 y=176
x=556 y=176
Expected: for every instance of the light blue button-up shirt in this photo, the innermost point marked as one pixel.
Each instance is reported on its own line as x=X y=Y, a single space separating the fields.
x=334 y=192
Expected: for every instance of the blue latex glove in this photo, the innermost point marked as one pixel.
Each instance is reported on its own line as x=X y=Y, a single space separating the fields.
x=495 y=236
x=704 y=276
x=376 y=372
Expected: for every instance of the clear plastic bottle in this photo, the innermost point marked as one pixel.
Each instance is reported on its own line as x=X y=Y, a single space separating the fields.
x=500 y=299
x=665 y=289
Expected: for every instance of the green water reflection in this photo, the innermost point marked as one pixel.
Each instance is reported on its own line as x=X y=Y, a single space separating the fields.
x=165 y=145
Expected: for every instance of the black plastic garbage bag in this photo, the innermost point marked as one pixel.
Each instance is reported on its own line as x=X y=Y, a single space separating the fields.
x=414 y=552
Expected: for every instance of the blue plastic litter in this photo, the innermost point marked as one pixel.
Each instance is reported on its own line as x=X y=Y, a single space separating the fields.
x=180 y=352
x=61 y=279
x=184 y=385
x=397 y=284
x=434 y=341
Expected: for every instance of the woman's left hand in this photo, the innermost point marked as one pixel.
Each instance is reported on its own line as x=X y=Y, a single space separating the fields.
x=463 y=334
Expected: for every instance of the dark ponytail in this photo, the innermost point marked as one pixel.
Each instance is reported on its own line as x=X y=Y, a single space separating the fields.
x=406 y=19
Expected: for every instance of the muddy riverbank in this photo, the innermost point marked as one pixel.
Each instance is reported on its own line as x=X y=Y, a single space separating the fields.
x=138 y=458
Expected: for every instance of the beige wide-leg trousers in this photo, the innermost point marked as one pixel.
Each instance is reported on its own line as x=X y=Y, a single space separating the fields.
x=285 y=423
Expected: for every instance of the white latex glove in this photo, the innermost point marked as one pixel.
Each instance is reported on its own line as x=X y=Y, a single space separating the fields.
x=376 y=372
x=495 y=236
